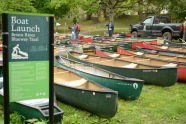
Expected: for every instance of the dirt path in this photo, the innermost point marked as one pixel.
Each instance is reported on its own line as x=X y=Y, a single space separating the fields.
x=105 y=30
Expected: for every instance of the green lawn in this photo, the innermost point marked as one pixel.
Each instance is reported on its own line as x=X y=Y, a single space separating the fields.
x=90 y=27
x=156 y=105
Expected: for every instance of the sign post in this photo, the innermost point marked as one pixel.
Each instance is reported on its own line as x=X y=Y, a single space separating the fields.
x=51 y=65
x=5 y=70
x=27 y=59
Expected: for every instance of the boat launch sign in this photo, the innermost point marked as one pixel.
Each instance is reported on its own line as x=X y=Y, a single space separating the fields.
x=28 y=56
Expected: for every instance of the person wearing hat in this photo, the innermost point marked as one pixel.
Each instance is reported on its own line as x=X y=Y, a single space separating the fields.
x=184 y=30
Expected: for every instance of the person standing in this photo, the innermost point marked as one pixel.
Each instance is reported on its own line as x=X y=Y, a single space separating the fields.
x=73 y=31
x=78 y=28
x=184 y=30
x=110 y=28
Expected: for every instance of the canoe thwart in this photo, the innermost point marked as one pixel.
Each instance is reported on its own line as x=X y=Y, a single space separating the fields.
x=114 y=55
x=83 y=56
x=139 y=53
x=164 y=47
x=131 y=65
x=170 y=65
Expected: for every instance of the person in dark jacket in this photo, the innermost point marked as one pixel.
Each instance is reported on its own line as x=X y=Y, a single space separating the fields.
x=110 y=28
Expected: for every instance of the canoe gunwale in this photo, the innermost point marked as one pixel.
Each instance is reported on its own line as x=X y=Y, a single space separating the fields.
x=151 y=71
x=165 y=60
x=124 y=78
x=169 y=48
x=106 y=90
x=166 y=51
x=156 y=67
x=39 y=109
x=150 y=58
x=122 y=86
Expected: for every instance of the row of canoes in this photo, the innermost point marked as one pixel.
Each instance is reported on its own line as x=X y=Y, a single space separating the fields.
x=151 y=71
x=147 y=61
x=112 y=71
x=78 y=91
x=150 y=74
x=163 y=50
x=91 y=88
x=94 y=83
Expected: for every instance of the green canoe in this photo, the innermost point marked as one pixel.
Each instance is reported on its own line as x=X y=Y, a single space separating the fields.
x=75 y=90
x=128 y=88
x=156 y=76
x=35 y=108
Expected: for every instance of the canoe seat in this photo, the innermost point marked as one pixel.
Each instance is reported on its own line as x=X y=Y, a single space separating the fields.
x=180 y=56
x=164 y=47
x=139 y=53
x=76 y=83
x=114 y=55
x=170 y=65
x=83 y=56
x=131 y=65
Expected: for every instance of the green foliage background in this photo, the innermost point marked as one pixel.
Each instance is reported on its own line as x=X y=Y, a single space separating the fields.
x=73 y=8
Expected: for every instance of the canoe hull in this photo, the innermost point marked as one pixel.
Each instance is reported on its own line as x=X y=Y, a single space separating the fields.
x=41 y=112
x=181 y=70
x=182 y=74
x=30 y=112
x=162 y=77
x=103 y=104
x=159 y=76
x=168 y=53
x=127 y=89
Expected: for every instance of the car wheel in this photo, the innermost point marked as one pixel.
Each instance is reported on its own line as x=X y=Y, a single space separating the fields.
x=167 y=36
x=135 y=33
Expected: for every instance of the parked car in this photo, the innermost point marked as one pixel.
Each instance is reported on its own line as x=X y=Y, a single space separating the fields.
x=158 y=26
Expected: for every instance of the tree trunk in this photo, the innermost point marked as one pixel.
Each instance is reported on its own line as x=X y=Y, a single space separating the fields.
x=89 y=16
x=105 y=13
x=140 y=14
x=112 y=14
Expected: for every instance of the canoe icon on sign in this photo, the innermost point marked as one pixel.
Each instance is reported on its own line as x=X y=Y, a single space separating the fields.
x=18 y=54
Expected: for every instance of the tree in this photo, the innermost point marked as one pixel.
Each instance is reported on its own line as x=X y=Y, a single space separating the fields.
x=42 y=6
x=90 y=7
x=177 y=9
x=17 y=5
x=111 y=6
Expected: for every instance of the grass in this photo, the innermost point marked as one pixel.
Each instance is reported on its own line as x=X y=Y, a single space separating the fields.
x=93 y=27
x=156 y=105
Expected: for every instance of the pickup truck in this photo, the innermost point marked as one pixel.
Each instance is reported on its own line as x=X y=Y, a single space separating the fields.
x=158 y=26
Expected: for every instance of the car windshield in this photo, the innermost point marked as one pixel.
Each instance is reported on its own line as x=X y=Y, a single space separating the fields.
x=148 y=20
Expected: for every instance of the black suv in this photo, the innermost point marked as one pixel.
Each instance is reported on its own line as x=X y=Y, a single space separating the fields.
x=158 y=26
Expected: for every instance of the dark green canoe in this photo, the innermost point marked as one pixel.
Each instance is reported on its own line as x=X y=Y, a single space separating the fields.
x=156 y=76
x=75 y=90
x=128 y=88
x=37 y=108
